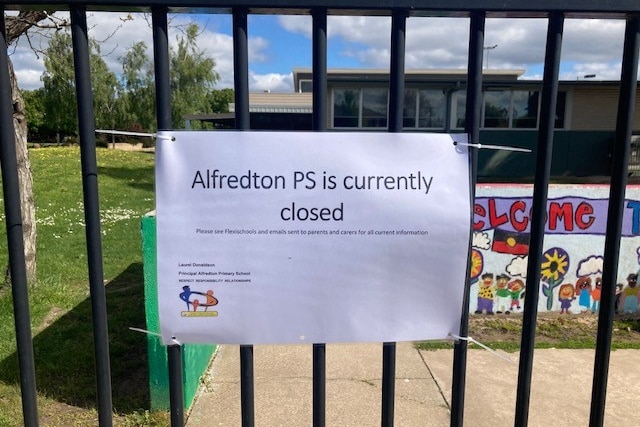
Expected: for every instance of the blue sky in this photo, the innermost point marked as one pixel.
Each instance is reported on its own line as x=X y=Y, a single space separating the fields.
x=277 y=44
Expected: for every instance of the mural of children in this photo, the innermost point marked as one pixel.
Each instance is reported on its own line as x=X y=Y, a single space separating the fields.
x=595 y=295
x=630 y=295
x=566 y=295
x=583 y=291
x=617 y=301
x=502 y=293
x=516 y=288
x=485 y=294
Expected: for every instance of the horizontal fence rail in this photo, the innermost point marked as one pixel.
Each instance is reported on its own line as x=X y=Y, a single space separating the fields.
x=493 y=8
x=553 y=11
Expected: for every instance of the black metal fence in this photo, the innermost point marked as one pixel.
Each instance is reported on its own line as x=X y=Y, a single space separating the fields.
x=553 y=11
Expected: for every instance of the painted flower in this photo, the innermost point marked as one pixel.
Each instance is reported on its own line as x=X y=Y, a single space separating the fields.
x=477 y=263
x=555 y=264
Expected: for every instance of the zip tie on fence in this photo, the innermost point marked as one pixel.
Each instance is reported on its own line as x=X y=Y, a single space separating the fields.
x=492 y=147
x=144 y=331
x=128 y=133
x=166 y=135
x=471 y=339
x=155 y=334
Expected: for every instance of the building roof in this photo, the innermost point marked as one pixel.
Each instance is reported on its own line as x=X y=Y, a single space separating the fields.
x=276 y=102
x=422 y=75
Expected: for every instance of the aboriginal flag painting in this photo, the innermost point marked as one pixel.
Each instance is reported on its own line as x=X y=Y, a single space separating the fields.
x=510 y=242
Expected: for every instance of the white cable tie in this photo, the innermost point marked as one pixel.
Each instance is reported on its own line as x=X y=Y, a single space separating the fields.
x=144 y=331
x=471 y=339
x=166 y=135
x=492 y=147
x=126 y=133
x=156 y=334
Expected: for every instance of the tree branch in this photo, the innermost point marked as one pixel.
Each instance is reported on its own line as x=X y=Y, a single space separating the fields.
x=25 y=20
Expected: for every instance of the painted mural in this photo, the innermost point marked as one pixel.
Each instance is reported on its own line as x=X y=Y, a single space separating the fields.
x=571 y=269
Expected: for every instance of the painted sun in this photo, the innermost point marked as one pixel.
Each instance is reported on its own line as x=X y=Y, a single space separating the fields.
x=477 y=263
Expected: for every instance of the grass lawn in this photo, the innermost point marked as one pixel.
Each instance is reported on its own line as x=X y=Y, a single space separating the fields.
x=59 y=300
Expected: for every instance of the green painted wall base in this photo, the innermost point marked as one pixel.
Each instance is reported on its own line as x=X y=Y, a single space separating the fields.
x=195 y=358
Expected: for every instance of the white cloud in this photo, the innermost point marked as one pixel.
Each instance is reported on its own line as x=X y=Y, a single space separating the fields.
x=297 y=24
x=437 y=43
x=29 y=79
x=518 y=266
x=481 y=240
x=590 y=45
x=593 y=40
x=369 y=31
x=591 y=265
x=270 y=82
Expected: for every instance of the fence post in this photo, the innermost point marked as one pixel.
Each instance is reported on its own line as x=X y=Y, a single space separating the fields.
x=319 y=82
x=396 y=101
x=243 y=122
x=472 y=128
x=624 y=127
x=13 y=215
x=538 y=213
x=163 y=115
x=86 y=123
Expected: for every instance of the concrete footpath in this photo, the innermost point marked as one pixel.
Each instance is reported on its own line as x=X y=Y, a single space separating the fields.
x=560 y=389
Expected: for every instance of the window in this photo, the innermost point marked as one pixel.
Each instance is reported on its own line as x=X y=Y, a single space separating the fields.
x=366 y=108
x=424 y=108
x=409 y=110
x=427 y=108
x=431 y=109
x=374 y=108
x=561 y=108
x=496 y=109
x=305 y=86
x=525 y=109
x=346 y=108
x=460 y=114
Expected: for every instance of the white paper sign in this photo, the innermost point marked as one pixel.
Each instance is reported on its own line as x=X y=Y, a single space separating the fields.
x=274 y=237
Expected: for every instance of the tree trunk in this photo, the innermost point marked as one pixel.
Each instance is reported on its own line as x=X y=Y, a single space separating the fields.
x=27 y=201
x=15 y=27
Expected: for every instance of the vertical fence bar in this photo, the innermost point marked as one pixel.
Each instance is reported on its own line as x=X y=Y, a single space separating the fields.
x=396 y=70
x=396 y=101
x=246 y=386
x=241 y=84
x=538 y=213
x=13 y=218
x=319 y=384
x=86 y=128
x=621 y=149
x=319 y=82
x=161 y=68
x=472 y=128
x=165 y=122
x=176 y=388
x=319 y=75
x=241 y=68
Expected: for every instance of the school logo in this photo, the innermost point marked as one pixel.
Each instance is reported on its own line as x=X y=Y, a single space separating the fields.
x=198 y=303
